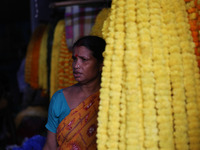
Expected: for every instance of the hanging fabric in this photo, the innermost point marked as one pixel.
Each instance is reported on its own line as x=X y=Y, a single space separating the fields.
x=79 y=21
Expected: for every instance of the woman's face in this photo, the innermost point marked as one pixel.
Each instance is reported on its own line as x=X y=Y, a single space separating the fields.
x=85 y=66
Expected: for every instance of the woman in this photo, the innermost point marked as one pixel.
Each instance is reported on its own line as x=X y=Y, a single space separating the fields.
x=72 y=118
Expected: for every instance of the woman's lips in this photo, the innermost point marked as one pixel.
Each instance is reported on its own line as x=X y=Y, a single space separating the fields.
x=77 y=74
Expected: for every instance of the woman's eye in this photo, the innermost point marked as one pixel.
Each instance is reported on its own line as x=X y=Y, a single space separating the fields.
x=84 y=59
x=73 y=57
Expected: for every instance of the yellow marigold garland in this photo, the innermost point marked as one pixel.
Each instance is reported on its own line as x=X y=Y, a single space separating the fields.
x=116 y=77
x=176 y=76
x=134 y=132
x=55 y=56
x=98 y=25
x=43 y=61
x=27 y=71
x=147 y=75
x=187 y=49
x=108 y=35
x=162 y=82
x=170 y=120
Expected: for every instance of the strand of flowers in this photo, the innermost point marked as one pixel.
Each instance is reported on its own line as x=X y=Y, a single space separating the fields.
x=162 y=80
x=134 y=126
x=108 y=35
x=147 y=75
x=55 y=55
x=27 y=70
x=197 y=81
x=116 y=77
x=65 y=74
x=35 y=57
x=198 y=28
x=176 y=76
x=197 y=70
x=98 y=25
x=43 y=62
x=122 y=112
x=193 y=15
x=30 y=56
x=187 y=49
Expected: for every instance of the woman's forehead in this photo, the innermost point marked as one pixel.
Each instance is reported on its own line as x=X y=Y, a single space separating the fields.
x=81 y=51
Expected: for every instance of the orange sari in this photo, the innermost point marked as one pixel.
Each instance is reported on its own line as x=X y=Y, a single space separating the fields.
x=77 y=131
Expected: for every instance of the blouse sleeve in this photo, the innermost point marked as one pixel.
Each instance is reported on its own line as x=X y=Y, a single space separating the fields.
x=58 y=110
x=52 y=118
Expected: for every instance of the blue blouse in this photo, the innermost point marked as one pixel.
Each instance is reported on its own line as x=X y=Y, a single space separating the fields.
x=58 y=110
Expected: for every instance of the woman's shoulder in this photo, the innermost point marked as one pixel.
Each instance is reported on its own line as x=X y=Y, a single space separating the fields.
x=58 y=101
x=58 y=96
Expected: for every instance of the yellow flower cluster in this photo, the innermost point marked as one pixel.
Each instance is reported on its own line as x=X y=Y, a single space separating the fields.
x=108 y=35
x=147 y=38
x=176 y=75
x=42 y=73
x=150 y=81
x=190 y=80
x=55 y=55
x=61 y=75
x=99 y=21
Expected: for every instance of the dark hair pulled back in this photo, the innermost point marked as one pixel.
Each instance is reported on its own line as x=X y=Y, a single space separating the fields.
x=93 y=43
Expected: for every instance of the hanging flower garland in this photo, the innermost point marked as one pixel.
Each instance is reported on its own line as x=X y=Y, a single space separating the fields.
x=158 y=92
x=147 y=74
x=162 y=82
x=43 y=62
x=116 y=77
x=108 y=35
x=65 y=72
x=193 y=16
x=55 y=56
x=32 y=57
x=187 y=46
x=176 y=76
x=98 y=25
x=133 y=100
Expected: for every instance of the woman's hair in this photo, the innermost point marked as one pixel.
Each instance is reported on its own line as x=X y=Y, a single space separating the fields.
x=93 y=43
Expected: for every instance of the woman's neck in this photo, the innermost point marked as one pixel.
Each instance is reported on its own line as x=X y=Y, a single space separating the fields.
x=89 y=88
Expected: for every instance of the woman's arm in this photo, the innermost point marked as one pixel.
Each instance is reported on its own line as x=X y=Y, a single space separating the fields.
x=51 y=143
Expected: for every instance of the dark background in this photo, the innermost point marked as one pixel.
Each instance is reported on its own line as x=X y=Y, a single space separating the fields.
x=18 y=19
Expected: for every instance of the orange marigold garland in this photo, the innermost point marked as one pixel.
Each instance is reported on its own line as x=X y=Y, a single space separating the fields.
x=65 y=73
x=61 y=61
x=32 y=57
x=192 y=7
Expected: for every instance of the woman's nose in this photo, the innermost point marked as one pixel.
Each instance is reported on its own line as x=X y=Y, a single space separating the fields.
x=76 y=65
